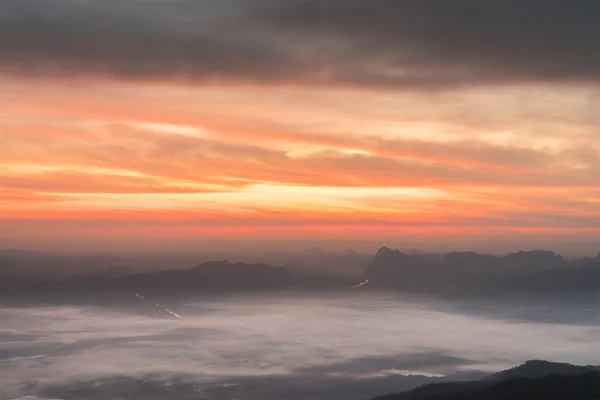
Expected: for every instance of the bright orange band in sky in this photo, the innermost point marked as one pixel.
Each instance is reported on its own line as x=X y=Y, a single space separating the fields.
x=292 y=161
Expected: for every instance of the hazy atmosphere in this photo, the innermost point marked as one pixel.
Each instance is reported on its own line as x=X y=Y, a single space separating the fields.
x=287 y=345
x=299 y=199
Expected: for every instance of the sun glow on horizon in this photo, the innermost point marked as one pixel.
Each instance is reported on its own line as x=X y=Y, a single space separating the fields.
x=227 y=172
x=229 y=124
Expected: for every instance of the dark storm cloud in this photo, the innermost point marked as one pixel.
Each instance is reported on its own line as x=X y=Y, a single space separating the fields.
x=354 y=42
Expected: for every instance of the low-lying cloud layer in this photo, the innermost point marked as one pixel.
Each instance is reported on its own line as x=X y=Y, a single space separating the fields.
x=367 y=338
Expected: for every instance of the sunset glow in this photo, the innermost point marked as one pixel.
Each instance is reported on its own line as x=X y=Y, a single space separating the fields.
x=293 y=156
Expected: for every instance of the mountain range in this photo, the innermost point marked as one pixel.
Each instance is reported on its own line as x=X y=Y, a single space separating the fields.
x=470 y=272
x=534 y=380
x=215 y=274
x=457 y=273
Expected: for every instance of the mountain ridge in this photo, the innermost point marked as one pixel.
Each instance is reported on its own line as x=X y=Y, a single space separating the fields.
x=533 y=380
x=471 y=272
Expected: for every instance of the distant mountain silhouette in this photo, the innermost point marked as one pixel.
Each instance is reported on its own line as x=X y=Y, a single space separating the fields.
x=395 y=265
x=535 y=259
x=470 y=272
x=456 y=273
x=568 y=280
x=211 y=275
x=589 y=260
x=534 y=380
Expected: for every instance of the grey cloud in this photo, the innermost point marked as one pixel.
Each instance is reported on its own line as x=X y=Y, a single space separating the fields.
x=453 y=42
x=426 y=361
x=413 y=44
x=127 y=41
x=300 y=385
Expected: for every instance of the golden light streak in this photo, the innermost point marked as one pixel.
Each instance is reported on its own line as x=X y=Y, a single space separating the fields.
x=288 y=161
x=361 y=284
x=163 y=309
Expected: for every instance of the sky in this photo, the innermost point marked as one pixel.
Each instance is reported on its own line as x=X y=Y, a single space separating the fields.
x=128 y=123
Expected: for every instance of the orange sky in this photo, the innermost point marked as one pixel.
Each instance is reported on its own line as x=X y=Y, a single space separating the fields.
x=94 y=156
x=291 y=160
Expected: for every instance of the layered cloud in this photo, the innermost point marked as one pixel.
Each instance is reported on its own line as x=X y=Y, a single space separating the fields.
x=298 y=342
x=299 y=118
x=400 y=44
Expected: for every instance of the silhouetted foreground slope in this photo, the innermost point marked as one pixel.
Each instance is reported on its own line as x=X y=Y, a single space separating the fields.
x=539 y=369
x=534 y=380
